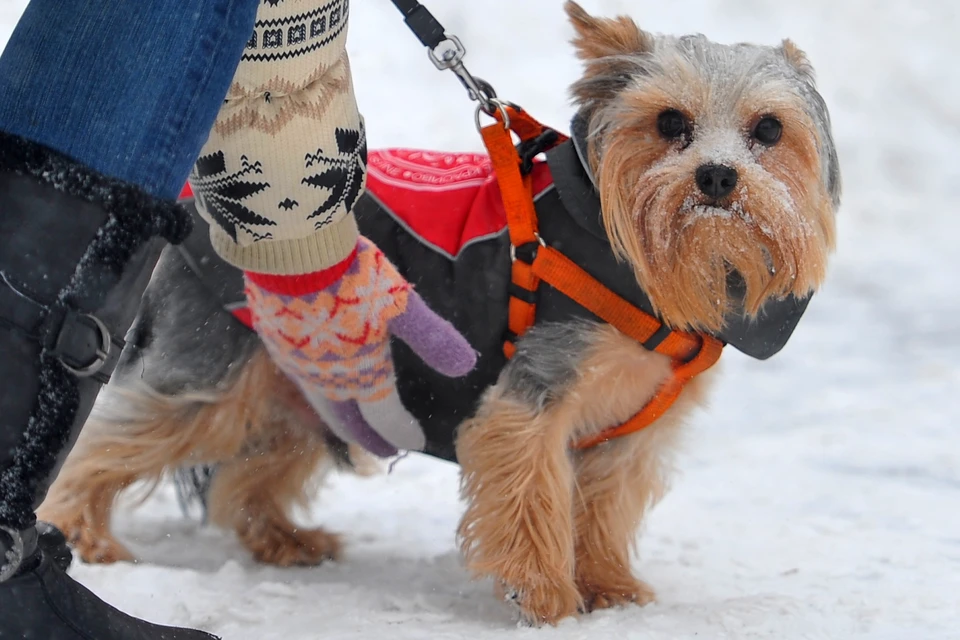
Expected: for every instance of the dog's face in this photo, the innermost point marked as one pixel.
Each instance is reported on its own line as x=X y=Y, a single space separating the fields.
x=710 y=159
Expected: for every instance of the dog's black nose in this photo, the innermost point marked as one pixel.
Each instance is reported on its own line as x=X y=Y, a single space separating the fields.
x=716 y=180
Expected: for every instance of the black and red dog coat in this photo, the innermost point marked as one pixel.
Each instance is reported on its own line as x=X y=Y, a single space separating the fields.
x=439 y=218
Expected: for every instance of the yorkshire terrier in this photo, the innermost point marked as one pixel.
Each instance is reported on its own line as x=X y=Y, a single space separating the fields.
x=700 y=183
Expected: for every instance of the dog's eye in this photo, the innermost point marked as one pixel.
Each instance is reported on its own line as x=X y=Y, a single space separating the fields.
x=768 y=131
x=672 y=124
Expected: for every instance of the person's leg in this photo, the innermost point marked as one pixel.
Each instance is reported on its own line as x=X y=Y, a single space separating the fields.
x=129 y=88
x=104 y=106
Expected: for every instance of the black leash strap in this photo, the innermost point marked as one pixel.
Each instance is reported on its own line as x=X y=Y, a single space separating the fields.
x=427 y=29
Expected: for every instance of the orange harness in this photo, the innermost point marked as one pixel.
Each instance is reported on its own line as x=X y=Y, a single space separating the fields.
x=690 y=353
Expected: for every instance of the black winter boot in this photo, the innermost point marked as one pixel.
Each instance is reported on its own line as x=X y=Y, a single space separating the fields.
x=76 y=252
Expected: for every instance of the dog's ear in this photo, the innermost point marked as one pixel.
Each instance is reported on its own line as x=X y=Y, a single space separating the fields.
x=798 y=60
x=604 y=37
x=611 y=49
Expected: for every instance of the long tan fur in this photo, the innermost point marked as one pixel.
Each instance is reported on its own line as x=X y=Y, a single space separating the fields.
x=555 y=528
x=252 y=428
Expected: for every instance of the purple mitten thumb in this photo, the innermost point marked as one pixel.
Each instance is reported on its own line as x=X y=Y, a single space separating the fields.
x=434 y=339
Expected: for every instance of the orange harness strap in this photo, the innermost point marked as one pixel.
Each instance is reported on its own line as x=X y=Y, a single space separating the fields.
x=517 y=194
x=690 y=353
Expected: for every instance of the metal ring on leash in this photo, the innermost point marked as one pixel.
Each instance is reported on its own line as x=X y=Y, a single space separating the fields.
x=494 y=105
x=513 y=248
x=486 y=95
x=500 y=106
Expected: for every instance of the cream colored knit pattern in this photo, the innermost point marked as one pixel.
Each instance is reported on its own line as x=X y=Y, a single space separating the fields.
x=286 y=160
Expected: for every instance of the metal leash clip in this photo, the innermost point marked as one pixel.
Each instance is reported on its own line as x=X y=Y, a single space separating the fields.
x=449 y=55
x=447 y=52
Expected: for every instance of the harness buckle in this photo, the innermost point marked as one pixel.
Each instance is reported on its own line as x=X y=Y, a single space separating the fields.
x=527 y=252
x=530 y=149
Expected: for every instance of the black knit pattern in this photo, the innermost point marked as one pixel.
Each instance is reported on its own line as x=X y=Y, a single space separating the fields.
x=340 y=174
x=298 y=34
x=222 y=193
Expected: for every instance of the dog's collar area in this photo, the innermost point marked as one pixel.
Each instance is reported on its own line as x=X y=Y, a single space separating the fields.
x=535 y=261
x=575 y=183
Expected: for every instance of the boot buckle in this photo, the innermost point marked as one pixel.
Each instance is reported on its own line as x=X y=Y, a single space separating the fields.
x=13 y=555
x=84 y=322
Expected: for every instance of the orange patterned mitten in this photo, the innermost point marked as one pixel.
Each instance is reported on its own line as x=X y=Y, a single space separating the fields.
x=330 y=333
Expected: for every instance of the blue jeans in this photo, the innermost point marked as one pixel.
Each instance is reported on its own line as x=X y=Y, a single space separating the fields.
x=129 y=88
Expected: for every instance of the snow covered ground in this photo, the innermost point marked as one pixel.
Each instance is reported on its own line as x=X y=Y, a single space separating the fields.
x=819 y=496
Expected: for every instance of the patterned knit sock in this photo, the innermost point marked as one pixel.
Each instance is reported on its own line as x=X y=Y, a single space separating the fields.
x=330 y=331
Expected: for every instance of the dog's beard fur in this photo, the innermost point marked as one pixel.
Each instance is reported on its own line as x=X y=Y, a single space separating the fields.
x=775 y=230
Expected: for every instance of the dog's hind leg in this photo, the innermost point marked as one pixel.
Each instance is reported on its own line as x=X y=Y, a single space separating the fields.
x=81 y=500
x=136 y=439
x=136 y=434
x=278 y=467
x=255 y=492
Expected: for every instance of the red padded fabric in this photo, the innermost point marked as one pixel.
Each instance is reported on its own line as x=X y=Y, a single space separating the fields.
x=446 y=199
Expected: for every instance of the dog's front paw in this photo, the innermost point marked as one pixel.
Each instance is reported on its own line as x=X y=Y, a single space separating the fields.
x=543 y=602
x=616 y=595
x=96 y=546
x=283 y=547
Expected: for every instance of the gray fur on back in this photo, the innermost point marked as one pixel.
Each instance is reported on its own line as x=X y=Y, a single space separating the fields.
x=547 y=361
x=182 y=339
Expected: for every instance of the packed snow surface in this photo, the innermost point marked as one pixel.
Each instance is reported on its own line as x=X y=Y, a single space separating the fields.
x=818 y=495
